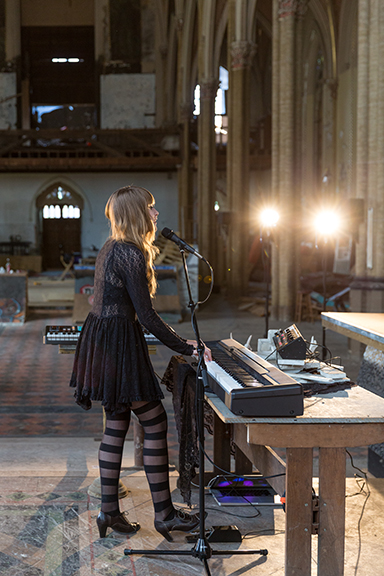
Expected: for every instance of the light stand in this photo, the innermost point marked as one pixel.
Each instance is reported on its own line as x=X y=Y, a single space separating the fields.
x=201 y=550
x=323 y=354
x=266 y=258
x=268 y=220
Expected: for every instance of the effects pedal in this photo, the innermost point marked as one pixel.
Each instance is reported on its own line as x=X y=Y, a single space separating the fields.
x=218 y=534
x=290 y=344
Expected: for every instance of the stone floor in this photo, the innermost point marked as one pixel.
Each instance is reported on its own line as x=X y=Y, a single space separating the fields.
x=48 y=456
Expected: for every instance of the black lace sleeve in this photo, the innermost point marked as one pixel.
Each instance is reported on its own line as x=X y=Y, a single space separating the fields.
x=130 y=266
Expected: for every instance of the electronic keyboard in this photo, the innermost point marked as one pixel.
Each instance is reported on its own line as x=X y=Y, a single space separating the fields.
x=70 y=334
x=250 y=385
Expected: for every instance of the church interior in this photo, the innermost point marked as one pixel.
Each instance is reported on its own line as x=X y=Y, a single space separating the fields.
x=257 y=125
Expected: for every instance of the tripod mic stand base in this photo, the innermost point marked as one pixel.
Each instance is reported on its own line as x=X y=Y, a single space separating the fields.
x=202 y=549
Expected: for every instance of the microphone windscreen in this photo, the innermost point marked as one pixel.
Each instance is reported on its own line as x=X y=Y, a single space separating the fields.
x=167 y=233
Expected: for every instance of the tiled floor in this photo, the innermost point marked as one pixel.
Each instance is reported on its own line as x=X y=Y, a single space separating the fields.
x=35 y=398
x=48 y=448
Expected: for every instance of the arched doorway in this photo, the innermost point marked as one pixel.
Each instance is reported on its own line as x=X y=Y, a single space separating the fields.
x=59 y=214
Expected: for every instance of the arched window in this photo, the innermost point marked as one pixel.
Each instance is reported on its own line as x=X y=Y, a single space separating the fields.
x=59 y=220
x=60 y=203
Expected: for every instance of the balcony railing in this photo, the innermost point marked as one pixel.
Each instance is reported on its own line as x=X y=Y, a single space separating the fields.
x=89 y=149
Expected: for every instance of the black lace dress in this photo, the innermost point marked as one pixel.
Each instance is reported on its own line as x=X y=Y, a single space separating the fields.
x=112 y=363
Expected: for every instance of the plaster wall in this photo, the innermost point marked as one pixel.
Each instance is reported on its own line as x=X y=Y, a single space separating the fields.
x=18 y=193
x=8 y=111
x=127 y=101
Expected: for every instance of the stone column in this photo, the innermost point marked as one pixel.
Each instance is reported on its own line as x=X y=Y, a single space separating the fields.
x=367 y=294
x=185 y=174
x=207 y=170
x=184 y=116
x=161 y=56
x=362 y=124
x=242 y=53
x=367 y=288
x=275 y=149
x=286 y=152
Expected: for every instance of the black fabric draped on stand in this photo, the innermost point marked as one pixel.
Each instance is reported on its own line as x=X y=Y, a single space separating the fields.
x=180 y=379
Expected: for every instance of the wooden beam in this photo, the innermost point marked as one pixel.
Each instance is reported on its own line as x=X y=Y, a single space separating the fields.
x=221 y=445
x=10 y=98
x=52 y=133
x=322 y=435
x=92 y=164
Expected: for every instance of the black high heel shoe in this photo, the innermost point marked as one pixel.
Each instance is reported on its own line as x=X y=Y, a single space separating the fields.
x=118 y=523
x=181 y=521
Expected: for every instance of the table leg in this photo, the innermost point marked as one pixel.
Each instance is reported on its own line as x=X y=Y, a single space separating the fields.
x=298 y=512
x=243 y=465
x=221 y=445
x=331 y=511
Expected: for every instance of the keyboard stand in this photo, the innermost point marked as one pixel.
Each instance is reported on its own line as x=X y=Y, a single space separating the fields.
x=67 y=348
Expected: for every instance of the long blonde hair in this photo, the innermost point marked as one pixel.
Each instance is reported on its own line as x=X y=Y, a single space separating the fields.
x=130 y=221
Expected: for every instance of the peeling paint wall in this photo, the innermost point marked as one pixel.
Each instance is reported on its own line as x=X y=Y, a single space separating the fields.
x=127 y=100
x=8 y=111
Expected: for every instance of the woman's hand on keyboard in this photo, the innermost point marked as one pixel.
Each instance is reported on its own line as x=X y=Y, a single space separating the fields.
x=207 y=351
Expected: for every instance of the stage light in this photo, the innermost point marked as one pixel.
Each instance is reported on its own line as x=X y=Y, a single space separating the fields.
x=327 y=222
x=269 y=218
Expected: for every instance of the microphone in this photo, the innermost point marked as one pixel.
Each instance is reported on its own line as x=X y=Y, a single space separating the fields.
x=170 y=235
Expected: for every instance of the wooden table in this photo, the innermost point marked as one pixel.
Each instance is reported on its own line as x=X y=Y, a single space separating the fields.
x=331 y=422
x=364 y=327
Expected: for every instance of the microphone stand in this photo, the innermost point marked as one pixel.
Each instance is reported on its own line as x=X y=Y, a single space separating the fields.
x=201 y=550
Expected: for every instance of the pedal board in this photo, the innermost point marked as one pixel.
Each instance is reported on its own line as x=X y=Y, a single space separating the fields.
x=243 y=491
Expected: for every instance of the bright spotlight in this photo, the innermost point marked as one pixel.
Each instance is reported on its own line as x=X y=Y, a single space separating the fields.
x=327 y=222
x=269 y=218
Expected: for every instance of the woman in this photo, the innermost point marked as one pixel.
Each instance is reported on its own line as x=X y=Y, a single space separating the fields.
x=112 y=362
